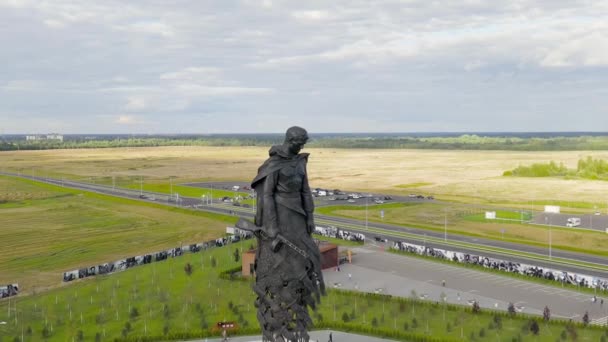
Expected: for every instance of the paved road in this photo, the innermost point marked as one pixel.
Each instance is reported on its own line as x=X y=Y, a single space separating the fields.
x=391 y=232
x=374 y=270
x=588 y=221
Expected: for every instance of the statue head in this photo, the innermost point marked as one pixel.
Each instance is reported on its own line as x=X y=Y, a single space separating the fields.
x=295 y=138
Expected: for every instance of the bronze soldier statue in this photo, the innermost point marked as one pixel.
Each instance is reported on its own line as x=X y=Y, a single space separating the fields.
x=288 y=262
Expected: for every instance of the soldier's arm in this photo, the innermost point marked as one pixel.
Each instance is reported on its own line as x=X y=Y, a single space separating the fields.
x=270 y=209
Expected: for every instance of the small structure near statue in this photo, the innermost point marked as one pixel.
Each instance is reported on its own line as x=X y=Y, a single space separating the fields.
x=329 y=258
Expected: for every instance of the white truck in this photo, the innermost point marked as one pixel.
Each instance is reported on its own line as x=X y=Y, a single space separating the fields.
x=573 y=222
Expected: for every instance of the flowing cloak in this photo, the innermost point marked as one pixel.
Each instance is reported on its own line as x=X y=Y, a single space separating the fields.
x=286 y=282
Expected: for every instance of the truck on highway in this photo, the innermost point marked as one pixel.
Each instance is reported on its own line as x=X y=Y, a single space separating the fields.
x=573 y=222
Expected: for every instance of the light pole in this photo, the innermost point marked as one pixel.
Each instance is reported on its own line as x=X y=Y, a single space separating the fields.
x=445 y=225
x=170 y=186
x=366 y=212
x=547 y=218
x=141 y=186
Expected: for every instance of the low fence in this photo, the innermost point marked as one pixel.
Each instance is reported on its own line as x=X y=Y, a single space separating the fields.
x=506 y=266
x=123 y=264
x=9 y=290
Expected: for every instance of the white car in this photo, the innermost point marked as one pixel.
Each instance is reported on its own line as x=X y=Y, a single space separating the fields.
x=351 y=201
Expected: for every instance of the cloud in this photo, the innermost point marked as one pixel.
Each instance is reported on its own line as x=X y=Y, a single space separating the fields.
x=313 y=15
x=125 y=120
x=385 y=64
x=150 y=27
x=135 y=104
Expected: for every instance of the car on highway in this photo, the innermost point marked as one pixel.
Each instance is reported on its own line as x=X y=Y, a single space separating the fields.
x=351 y=201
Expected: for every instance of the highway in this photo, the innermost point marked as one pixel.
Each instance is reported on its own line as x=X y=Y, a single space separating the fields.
x=562 y=260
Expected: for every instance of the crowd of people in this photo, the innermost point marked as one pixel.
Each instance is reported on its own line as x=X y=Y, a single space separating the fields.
x=506 y=266
x=152 y=257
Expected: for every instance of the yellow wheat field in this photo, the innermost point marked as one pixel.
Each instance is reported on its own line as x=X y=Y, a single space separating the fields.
x=470 y=174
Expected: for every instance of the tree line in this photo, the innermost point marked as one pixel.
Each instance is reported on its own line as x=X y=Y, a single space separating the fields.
x=462 y=142
x=587 y=168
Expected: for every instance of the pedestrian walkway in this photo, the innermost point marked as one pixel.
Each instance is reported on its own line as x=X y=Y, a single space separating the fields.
x=320 y=336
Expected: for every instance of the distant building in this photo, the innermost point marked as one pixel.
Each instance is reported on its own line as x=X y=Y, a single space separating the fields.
x=41 y=137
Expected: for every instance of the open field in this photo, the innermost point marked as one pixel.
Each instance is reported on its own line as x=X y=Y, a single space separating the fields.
x=465 y=220
x=47 y=230
x=161 y=300
x=471 y=176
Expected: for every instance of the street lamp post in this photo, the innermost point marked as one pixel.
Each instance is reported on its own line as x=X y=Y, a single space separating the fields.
x=366 y=212
x=445 y=224
x=548 y=219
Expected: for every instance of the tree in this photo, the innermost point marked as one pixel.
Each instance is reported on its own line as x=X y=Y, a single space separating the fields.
x=46 y=333
x=498 y=321
x=534 y=328
x=476 y=307
x=98 y=337
x=237 y=256
x=188 y=269
x=345 y=317
x=511 y=309
x=546 y=314
x=134 y=313
x=374 y=322
x=79 y=336
x=586 y=318
x=213 y=262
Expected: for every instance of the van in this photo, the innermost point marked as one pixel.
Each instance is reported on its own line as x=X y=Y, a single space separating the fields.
x=573 y=222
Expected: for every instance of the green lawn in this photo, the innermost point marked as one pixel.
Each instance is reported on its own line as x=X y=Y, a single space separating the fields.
x=501 y=215
x=469 y=220
x=47 y=230
x=161 y=300
x=189 y=191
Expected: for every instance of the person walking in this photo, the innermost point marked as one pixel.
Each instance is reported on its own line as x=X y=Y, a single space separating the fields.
x=331 y=338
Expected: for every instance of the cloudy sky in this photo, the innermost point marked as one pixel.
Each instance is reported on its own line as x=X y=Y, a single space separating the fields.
x=226 y=66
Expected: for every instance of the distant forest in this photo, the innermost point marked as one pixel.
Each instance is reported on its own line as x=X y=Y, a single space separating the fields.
x=513 y=142
x=587 y=168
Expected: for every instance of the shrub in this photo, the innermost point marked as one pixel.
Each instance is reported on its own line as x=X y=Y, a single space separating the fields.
x=374 y=322
x=134 y=313
x=46 y=333
x=345 y=318
x=476 y=307
x=546 y=314
x=534 y=328
x=511 y=309
x=586 y=318
x=189 y=269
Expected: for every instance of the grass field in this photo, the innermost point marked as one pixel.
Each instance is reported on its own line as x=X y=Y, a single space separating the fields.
x=47 y=230
x=469 y=220
x=469 y=176
x=161 y=300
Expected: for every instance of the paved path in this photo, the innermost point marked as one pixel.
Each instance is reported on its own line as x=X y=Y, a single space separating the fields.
x=321 y=336
x=374 y=270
